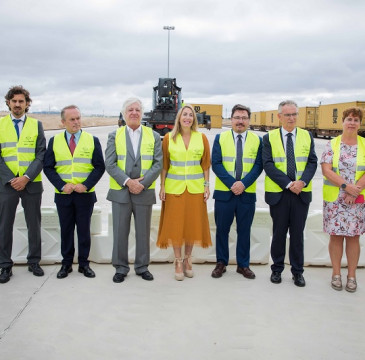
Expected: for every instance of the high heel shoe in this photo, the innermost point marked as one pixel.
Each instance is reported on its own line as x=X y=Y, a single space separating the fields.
x=179 y=276
x=188 y=273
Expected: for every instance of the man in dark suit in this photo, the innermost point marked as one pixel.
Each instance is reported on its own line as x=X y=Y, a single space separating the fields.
x=74 y=164
x=237 y=163
x=290 y=163
x=133 y=159
x=22 y=148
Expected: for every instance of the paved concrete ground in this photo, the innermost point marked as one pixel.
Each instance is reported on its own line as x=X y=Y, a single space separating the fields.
x=201 y=318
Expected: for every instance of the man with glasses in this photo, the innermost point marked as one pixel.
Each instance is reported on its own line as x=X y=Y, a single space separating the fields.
x=237 y=163
x=290 y=163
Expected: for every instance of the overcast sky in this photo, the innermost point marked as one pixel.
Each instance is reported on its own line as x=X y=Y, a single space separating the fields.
x=96 y=53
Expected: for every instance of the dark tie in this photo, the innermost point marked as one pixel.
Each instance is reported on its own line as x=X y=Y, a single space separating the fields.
x=16 y=122
x=239 y=157
x=72 y=144
x=290 y=159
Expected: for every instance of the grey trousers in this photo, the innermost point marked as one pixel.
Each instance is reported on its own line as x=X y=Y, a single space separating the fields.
x=122 y=214
x=32 y=211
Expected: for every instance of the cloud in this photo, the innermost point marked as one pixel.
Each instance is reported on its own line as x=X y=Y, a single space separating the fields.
x=96 y=53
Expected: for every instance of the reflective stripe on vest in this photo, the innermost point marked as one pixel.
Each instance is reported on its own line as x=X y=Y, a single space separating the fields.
x=185 y=170
x=301 y=152
x=74 y=169
x=331 y=191
x=19 y=154
x=249 y=155
x=147 y=152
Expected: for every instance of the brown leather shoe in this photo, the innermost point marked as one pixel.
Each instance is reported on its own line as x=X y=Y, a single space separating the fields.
x=246 y=272
x=220 y=268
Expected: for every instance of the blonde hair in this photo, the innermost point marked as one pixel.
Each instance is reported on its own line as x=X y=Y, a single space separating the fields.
x=177 y=127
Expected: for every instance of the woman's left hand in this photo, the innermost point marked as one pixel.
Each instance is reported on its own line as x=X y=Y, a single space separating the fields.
x=349 y=199
x=206 y=194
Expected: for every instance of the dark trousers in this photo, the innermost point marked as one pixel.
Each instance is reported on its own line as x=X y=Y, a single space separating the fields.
x=224 y=213
x=31 y=204
x=78 y=214
x=290 y=213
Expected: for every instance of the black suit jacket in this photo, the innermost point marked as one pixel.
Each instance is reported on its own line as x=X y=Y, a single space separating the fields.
x=50 y=171
x=281 y=178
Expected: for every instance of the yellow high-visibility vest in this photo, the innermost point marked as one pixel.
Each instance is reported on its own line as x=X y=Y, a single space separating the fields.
x=249 y=155
x=146 y=151
x=18 y=154
x=74 y=169
x=331 y=191
x=301 y=153
x=185 y=170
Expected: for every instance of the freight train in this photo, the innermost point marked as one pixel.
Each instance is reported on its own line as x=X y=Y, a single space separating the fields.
x=322 y=120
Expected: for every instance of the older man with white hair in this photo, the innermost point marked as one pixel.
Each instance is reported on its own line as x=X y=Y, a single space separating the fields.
x=133 y=159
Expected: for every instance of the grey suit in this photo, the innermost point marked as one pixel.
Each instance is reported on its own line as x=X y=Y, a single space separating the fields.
x=30 y=197
x=124 y=204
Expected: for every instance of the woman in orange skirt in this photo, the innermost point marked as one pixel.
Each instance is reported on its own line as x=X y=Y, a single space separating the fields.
x=184 y=191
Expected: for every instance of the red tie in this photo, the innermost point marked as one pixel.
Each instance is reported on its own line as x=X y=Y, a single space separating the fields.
x=72 y=144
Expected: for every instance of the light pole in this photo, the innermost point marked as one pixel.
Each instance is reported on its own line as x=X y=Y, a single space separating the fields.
x=168 y=28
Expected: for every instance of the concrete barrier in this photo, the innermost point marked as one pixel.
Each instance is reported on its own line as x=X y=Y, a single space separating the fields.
x=315 y=240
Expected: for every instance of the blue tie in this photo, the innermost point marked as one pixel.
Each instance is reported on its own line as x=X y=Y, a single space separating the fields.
x=239 y=157
x=16 y=122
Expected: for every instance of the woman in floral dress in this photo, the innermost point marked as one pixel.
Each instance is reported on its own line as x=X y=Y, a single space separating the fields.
x=343 y=168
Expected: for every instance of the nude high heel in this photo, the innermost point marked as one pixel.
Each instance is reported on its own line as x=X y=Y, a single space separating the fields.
x=188 y=273
x=179 y=276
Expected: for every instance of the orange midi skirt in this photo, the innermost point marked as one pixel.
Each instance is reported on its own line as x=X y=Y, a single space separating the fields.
x=184 y=221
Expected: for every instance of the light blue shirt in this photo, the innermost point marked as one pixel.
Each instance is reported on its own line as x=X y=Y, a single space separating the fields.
x=77 y=137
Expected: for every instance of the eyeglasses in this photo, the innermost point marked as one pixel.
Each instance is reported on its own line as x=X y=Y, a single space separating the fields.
x=289 y=115
x=240 y=118
x=350 y=119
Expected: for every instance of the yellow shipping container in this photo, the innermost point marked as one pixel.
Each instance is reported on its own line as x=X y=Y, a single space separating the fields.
x=271 y=119
x=216 y=121
x=210 y=109
x=307 y=118
x=330 y=118
x=257 y=121
x=215 y=112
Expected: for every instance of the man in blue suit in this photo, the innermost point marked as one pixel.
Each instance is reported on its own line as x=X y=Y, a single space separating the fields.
x=74 y=164
x=237 y=163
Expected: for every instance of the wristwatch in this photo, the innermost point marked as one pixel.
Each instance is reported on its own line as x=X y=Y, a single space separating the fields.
x=343 y=186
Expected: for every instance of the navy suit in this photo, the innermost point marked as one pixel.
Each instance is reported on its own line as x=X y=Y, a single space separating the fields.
x=288 y=210
x=227 y=206
x=75 y=208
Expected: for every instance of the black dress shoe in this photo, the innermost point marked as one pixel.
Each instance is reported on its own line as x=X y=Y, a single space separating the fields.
x=146 y=276
x=64 y=271
x=275 y=277
x=86 y=270
x=5 y=275
x=35 y=269
x=299 y=280
x=118 y=278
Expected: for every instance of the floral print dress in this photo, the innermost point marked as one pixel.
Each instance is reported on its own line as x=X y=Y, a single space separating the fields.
x=340 y=218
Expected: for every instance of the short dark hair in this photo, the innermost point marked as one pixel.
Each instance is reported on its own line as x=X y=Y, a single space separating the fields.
x=241 y=107
x=18 y=90
x=69 y=107
x=355 y=111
